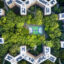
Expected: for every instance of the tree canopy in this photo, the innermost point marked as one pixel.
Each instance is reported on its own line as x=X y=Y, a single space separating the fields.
x=15 y=34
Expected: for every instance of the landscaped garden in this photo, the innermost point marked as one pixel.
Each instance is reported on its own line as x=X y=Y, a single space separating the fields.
x=15 y=34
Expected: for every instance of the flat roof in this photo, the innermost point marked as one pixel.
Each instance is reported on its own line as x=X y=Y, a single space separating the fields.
x=31 y=58
x=1 y=40
x=2 y=12
x=24 y=5
x=61 y=16
x=62 y=44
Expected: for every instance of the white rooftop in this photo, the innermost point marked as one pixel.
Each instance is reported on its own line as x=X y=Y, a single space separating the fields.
x=18 y=58
x=24 y=5
x=52 y=58
x=61 y=16
x=1 y=40
x=9 y=58
x=2 y=12
x=47 y=10
x=30 y=58
x=23 y=50
x=47 y=51
x=62 y=44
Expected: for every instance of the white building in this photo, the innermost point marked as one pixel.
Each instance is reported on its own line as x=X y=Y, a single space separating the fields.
x=47 y=10
x=46 y=55
x=62 y=44
x=1 y=40
x=24 y=5
x=2 y=12
x=23 y=50
x=9 y=58
x=47 y=51
x=18 y=58
x=61 y=16
x=52 y=58
x=10 y=3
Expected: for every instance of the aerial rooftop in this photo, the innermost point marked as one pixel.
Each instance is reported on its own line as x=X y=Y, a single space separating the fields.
x=61 y=16
x=1 y=41
x=62 y=44
x=24 y=5
x=30 y=58
x=2 y=12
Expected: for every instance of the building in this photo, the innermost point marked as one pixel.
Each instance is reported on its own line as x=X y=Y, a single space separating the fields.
x=47 y=51
x=62 y=44
x=24 y=54
x=1 y=41
x=10 y=59
x=47 y=11
x=52 y=58
x=2 y=12
x=10 y=3
x=61 y=16
x=25 y=5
